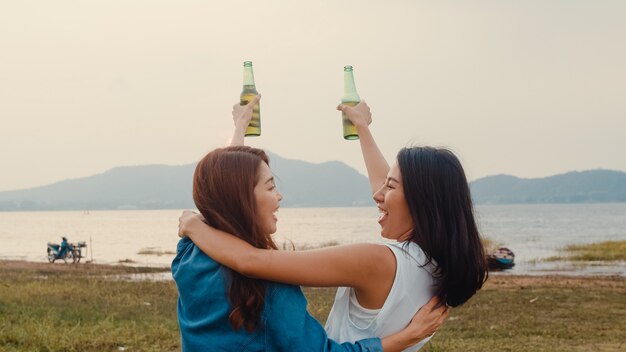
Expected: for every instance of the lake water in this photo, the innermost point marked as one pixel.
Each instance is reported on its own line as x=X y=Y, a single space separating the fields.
x=533 y=232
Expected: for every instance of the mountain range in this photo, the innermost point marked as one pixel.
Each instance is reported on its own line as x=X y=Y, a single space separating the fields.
x=592 y=186
x=303 y=184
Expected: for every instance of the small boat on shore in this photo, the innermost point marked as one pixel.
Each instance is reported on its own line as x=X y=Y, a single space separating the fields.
x=500 y=259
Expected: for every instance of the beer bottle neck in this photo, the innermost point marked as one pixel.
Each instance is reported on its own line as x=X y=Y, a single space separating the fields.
x=349 y=88
x=248 y=76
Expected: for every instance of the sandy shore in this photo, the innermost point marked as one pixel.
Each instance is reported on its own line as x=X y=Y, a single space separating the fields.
x=496 y=281
x=521 y=281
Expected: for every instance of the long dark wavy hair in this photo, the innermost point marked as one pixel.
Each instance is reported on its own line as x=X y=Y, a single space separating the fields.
x=440 y=204
x=223 y=190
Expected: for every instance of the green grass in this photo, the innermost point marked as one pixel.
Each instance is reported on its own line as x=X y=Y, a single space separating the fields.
x=81 y=308
x=527 y=314
x=602 y=251
x=541 y=317
x=76 y=310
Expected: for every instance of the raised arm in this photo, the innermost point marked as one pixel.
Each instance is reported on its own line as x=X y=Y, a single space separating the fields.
x=242 y=114
x=364 y=266
x=377 y=166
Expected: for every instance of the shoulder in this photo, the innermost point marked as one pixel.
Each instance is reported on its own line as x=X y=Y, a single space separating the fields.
x=283 y=294
x=409 y=251
x=285 y=305
x=369 y=250
x=190 y=260
x=376 y=260
x=184 y=245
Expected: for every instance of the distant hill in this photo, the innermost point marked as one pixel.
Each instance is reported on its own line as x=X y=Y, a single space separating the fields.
x=328 y=184
x=593 y=186
x=302 y=184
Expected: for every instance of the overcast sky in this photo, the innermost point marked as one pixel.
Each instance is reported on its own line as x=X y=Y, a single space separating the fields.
x=528 y=88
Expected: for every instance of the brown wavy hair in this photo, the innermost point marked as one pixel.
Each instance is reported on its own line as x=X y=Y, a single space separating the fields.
x=223 y=190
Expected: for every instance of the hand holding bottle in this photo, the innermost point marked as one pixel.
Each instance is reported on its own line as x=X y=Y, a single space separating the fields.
x=242 y=115
x=351 y=98
x=247 y=94
x=360 y=114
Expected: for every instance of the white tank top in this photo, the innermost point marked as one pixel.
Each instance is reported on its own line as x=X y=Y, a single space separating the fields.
x=411 y=289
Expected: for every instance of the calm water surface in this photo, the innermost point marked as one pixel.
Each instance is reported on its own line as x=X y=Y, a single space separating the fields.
x=533 y=232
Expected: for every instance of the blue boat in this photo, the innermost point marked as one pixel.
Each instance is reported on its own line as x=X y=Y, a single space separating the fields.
x=500 y=259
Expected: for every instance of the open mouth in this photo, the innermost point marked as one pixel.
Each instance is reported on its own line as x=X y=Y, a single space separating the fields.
x=382 y=214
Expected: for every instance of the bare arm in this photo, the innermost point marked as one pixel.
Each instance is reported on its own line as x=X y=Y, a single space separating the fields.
x=360 y=265
x=242 y=114
x=425 y=322
x=351 y=265
x=377 y=166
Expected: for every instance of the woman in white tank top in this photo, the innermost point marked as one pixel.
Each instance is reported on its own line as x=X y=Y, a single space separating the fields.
x=425 y=209
x=412 y=288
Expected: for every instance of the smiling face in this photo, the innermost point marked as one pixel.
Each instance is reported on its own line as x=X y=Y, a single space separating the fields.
x=267 y=200
x=395 y=219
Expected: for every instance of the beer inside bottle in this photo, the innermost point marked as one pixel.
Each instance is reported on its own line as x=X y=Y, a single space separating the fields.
x=351 y=98
x=247 y=94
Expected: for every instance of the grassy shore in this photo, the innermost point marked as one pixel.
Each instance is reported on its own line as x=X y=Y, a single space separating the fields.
x=608 y=251
x=57 y=307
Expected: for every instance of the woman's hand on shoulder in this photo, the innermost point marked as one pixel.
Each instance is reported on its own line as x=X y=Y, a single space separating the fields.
x=428 y=319
x=425 y=322
x=188 y=222
x=360 y=114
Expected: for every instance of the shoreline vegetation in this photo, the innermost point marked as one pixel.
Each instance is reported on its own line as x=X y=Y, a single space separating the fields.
x=608 y=251
x=155 y=251
x=91 y=307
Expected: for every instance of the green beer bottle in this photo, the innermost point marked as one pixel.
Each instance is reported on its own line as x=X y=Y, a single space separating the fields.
x=351 y=98
x=247 y=94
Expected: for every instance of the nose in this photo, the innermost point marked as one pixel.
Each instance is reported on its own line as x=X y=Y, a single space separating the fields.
x=379 y=195
x=279 y=195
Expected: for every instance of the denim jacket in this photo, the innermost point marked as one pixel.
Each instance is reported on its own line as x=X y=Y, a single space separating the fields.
x=203 y=310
